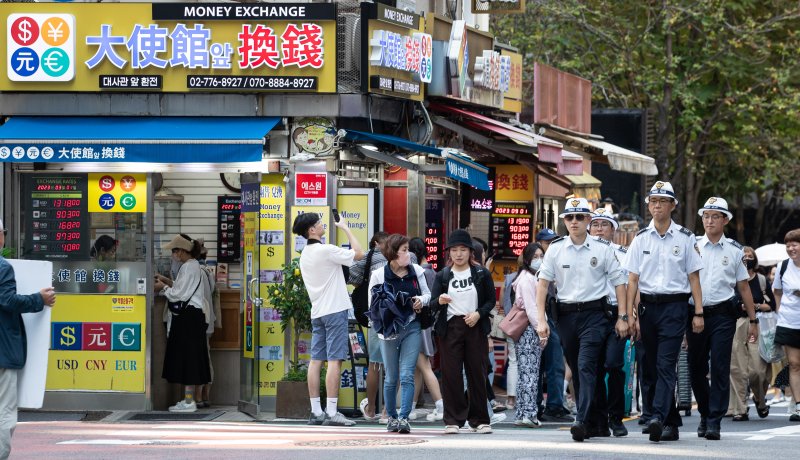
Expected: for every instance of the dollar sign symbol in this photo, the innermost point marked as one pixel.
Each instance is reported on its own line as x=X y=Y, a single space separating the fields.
x=68 y=336
x=26 y=34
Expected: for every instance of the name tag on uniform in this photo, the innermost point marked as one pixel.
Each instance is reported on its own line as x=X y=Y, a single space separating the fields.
x=646 y=252
x=565 y=266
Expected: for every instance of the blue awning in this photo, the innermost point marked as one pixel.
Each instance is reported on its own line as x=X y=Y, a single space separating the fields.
x=134 y=139
x=457 y=167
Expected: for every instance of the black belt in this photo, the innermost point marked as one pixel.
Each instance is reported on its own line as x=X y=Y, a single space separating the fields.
x=723 y=308
x=577 y=307
x=664 y=298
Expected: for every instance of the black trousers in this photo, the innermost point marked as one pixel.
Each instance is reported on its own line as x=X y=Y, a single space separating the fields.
x=582 y=337
x=714 y=343
x=612 y=367
x=662 y=329
x=464 y=349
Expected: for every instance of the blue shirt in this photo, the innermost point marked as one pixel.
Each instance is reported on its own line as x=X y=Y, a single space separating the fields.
x=664 y=263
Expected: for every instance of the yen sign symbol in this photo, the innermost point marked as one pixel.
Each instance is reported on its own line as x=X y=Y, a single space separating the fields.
x=127 y=201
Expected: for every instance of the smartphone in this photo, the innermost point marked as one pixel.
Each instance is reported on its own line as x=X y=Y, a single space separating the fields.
x=335 y=215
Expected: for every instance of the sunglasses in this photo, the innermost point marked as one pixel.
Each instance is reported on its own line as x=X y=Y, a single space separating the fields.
x=578 y=217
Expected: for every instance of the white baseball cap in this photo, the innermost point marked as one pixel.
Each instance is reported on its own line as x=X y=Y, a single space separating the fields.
x=576 y=206
x=661 y=188
x=718 y=204
x=600 y=214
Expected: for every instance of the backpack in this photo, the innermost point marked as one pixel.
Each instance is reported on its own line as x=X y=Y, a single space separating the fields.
x=360 y=295
x=784 y=266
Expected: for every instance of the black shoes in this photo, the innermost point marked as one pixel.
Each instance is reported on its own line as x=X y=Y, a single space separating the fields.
x=654 y=429
x=670 y=433
x=558 y=415
x=617 y=428
x=763 y=412
x=702 y=428
x=712 y=434
x=578 y=431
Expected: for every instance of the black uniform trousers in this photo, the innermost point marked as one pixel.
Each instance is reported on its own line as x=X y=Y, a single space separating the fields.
x=714 y=343
x=612 y=373
x=662 y=328
x=643 y=387
x=582 y=337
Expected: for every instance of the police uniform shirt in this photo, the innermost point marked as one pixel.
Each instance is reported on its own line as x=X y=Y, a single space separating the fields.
x=581 y=272
x=621 y=252
x=663 y=263
x=723 y=267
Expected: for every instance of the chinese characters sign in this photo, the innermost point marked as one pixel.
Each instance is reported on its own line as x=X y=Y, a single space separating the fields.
x=513 y=183
x=400 y=59
x=117 y=192
x=311 y=189
x=512 y=98
x=171 y=47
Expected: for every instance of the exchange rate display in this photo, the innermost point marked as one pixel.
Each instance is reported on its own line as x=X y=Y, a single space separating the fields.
x=56 y=217
x=510 y=229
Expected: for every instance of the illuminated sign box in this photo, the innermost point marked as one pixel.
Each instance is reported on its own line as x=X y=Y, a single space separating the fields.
x=399 y=61
x=169 y=47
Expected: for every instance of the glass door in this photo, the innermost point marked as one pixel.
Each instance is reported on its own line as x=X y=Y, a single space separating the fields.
x=251 y=299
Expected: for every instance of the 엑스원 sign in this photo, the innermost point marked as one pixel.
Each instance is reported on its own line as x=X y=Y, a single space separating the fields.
x=169 y=47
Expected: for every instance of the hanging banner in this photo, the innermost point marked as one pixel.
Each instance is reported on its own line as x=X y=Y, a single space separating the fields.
x=117 y=192
x=170 y=47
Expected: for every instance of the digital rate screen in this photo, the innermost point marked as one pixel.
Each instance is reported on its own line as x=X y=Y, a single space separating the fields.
x=510 y=229
x=56 y=217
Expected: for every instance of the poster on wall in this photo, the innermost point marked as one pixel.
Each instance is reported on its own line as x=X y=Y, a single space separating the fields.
x=272 y=257
x=97 y=343
x=356 y=205
x=311 y=189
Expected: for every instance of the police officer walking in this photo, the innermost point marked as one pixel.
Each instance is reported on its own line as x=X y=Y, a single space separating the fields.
x=663 y=264
x=723 y=270
x=581 y=267
x=603 y=226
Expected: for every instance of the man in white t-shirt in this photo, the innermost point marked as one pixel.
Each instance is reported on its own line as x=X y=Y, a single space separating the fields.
x=321 y=268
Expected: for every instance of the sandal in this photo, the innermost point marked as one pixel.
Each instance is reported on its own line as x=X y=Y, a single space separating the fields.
x=763 y=412
x=741 y=418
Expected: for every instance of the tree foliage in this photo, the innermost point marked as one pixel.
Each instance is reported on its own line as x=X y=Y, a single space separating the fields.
x=720 y=76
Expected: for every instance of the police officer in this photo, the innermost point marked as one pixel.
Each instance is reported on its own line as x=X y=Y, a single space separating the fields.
x=581 y=267
x=663 y=264
x=723 y=270
x=603 y=225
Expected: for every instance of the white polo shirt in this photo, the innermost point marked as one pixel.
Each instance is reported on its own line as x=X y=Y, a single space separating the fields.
x=664 y=263
x=723 y=267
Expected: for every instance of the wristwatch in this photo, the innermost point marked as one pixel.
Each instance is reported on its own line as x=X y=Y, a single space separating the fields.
x=623 y=317
x=754 y=321
x=699 y=315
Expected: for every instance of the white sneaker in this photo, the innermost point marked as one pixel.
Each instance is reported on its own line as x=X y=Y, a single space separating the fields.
x=483 y=429
x=497 y=418
x=413 y=414
x=530 y=423
x=183 y=406
x=435 y=416
x=451 y=429
x=338 y=420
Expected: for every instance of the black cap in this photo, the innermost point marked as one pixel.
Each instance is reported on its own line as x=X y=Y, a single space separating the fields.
x=303 y=222
x=459 y=237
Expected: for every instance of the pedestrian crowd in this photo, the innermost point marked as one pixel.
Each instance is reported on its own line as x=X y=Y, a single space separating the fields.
x=589 y=325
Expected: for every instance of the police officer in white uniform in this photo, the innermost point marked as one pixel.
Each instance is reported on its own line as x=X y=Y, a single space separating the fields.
x=663 y=264
x=581 y=267
x=603 y=226
x=723 y=271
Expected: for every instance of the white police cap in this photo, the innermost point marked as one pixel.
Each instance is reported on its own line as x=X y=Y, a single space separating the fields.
x=718 y=204
x=576 y=206
x=601 y=214
x=661 y=188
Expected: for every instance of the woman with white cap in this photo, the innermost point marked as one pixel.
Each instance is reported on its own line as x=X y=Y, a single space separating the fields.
x=186 y=358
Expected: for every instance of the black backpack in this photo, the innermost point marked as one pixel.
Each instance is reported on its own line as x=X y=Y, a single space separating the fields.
x=360 y=294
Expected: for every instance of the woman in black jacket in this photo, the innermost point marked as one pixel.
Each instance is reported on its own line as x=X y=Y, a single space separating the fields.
x=463 y=295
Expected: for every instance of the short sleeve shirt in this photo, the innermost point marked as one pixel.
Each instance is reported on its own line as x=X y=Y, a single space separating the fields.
x=723 y=267
x=789 y=311
x=663 y=263
x=321 y=268
x=464 y=294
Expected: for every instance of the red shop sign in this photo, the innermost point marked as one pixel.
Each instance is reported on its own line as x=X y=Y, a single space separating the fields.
x=311 y=189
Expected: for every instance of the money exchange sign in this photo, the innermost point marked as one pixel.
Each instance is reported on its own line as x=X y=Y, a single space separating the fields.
x=169 y=47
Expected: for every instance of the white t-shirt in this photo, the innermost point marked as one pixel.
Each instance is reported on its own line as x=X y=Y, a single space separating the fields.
x=462 y=291
x=789 y=311
x=321 y=267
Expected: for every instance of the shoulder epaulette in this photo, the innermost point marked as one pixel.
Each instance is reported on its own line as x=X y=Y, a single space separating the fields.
x=600 y=240
x=641 y=231
x=560 y=238
x=686 y=231
x=735 y=243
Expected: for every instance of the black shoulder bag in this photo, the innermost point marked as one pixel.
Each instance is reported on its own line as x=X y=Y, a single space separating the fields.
x=177 y=307
x=360 y=294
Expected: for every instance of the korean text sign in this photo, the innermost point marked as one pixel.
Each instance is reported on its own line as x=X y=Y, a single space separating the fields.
x=169 y=47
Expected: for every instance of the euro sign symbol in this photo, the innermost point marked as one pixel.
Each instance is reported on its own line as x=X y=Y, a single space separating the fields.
x=26 y=33
x=68 y=336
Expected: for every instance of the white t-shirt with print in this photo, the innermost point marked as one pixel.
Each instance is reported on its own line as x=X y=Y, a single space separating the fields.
x=464 y=294
x=789 y=311
x=321 y=267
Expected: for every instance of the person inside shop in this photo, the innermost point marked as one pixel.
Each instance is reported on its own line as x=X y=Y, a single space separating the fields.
x=463 y=297
x=13 y=351
x=186 y=359
x=400 y=344
x=104 y=249
x=321 y=269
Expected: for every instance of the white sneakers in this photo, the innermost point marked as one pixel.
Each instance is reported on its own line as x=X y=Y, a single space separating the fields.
x=529 y=423
x=482 y=429
x=183 y=406
x=497 y=418
x=451 y=429
x=435 y=416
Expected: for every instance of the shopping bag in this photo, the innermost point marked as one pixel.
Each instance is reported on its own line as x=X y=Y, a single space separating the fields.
x=769 y=351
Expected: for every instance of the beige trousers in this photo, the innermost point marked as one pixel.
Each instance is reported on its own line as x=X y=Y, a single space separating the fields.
x=747 y=367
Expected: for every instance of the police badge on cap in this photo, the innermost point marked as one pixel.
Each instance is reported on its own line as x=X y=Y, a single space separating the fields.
x=717 y=204
x=661 y=188
x=601 y=214
x=576 y=206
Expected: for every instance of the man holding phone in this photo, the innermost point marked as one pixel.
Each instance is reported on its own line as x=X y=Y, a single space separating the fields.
x=321 y=269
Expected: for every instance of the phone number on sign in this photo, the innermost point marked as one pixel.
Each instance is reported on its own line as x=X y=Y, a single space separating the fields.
x=265 y=83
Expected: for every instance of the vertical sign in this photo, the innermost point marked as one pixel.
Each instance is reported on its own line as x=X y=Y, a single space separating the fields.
x=434 y=231
x=57 y=224
x=311 y=189
x=250 y=209
x=229 y=210
x=513 y=183
x=272 y=257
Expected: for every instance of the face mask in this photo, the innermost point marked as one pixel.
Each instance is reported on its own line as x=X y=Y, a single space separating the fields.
x=404 y=259
x=536 y=264
x=750 y=264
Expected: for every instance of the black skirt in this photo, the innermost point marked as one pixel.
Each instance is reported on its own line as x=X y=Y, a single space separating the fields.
x=787 y=336
x=186 y=359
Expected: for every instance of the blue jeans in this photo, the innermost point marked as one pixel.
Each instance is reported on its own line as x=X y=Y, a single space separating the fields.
x=400 y=360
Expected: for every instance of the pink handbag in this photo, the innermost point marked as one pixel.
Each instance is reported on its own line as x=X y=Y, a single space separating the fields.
x=516 y=320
